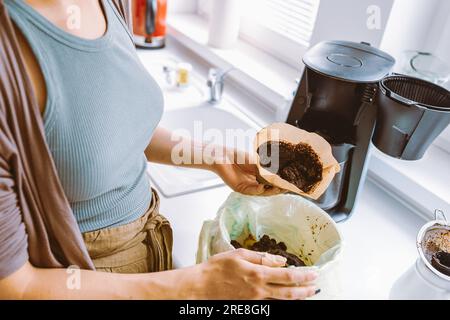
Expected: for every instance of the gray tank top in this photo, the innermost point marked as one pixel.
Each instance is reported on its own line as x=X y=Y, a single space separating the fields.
x=102 y=109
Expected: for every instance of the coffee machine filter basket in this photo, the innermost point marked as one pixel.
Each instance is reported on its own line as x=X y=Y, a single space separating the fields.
x=412 y=113
x=414 y=91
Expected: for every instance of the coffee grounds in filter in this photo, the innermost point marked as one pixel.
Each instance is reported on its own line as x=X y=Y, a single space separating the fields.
x=298 y=163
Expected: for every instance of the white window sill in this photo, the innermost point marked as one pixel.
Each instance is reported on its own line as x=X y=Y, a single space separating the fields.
x=261 y=74
x=422 y=186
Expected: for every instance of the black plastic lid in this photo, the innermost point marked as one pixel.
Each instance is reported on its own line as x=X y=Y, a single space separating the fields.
x=349 y=61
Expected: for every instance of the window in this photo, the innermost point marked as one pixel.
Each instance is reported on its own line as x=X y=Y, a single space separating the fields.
x=292 y=19
x=282 y=28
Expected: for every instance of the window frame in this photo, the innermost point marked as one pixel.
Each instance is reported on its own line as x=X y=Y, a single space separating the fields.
x=272 y=42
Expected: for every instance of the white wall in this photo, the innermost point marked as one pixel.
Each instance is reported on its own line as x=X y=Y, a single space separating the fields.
x=440 y=42
x=439 y=35
x=182 y=6
x=409 y=26
x=443 y=46
x=347 y=20
x=422 y=25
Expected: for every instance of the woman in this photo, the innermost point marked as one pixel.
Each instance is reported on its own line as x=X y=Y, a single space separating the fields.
x=100 y=112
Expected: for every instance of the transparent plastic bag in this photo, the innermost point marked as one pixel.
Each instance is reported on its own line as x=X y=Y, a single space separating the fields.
x=307 y=231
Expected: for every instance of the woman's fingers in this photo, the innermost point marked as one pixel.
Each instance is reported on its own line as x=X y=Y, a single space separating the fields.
x=257 y=275
x=261 y=258
x=271 y=191
x=289 y=276
x=252 y=189
x=290 y=293
x=259 y=189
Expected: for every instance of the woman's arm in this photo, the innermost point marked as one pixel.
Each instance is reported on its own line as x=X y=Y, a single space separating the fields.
x=36 y=283
x=190 y=152
x=242 y=274
x=236 y=168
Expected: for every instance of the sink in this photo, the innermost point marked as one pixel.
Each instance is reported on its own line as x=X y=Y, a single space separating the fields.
x=218 y=124
x=187 y=113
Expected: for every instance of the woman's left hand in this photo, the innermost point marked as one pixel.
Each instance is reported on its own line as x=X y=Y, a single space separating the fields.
x=239 y=173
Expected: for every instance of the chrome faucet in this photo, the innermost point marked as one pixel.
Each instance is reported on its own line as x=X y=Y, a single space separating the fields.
x=215 y=83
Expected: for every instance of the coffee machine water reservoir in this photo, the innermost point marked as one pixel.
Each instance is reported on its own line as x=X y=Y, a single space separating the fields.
x=347 y=96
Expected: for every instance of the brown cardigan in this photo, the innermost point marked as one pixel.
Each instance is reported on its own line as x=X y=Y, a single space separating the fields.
x=36 y=221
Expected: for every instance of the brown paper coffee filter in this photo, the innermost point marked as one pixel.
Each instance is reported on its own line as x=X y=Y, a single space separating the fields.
x=294 y=135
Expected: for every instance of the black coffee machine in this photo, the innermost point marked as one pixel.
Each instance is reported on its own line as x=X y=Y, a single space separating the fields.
x=348 y=97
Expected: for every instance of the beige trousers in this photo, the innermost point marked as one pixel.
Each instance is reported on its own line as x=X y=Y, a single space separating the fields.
x=144 y=245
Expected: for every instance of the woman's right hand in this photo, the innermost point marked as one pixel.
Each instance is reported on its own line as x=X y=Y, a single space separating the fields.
x=245 y=274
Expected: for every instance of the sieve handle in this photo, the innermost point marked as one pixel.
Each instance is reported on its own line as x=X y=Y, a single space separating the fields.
x=399 y=98
x=439 y=215
x=389 y=93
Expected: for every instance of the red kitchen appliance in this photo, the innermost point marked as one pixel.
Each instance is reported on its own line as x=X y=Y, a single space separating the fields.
x=149 y=23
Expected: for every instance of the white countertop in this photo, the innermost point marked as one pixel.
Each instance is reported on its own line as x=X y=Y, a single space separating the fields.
x=379 y=237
